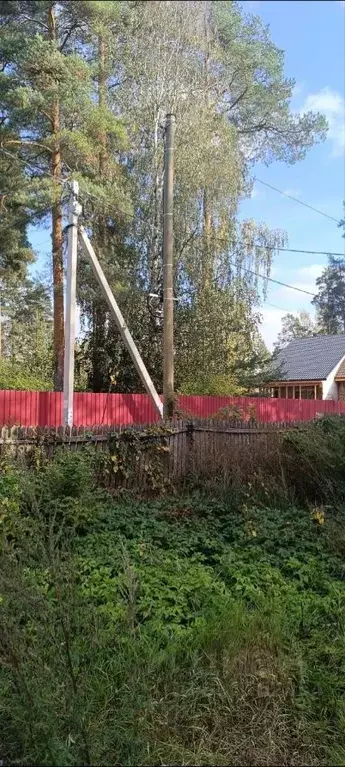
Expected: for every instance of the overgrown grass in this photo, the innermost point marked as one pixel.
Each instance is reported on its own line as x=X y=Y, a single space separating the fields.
x=197 y=629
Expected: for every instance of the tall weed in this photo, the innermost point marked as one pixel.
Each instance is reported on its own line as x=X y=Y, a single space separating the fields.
x=195 y=629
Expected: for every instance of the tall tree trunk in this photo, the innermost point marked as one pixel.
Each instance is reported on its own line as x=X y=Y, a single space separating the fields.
x=98 y=308
x=207 y=260
x=102 y=96
x=58 y=295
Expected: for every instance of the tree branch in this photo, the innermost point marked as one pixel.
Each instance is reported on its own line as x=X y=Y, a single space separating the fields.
x=72 y=29
x=35 y=21
x=239 y=98
x=24 y=142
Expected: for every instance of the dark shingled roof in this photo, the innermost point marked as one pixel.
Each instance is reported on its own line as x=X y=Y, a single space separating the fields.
x=310 y=359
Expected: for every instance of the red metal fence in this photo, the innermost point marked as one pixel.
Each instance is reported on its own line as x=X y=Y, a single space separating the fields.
x=45 y=408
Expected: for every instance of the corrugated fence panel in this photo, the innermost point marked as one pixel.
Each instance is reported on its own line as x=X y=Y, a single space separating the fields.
x=45 y=409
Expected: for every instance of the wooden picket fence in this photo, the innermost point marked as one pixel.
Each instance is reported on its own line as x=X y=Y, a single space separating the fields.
x=148 y=456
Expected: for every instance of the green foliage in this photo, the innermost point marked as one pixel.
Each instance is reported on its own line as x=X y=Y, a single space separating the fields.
x=203 y=629
x=132 y=452
x=17 y=376
x=217 y=385
x=85 y=87
x=330 y=299
x=26 y=334
x=299 y=325
x=314 y=459
x=15 y=250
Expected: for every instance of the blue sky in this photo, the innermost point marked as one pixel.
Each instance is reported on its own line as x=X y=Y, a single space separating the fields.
x=312 y=34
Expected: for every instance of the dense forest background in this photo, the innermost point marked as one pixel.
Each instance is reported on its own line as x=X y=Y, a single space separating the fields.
x=84 y=89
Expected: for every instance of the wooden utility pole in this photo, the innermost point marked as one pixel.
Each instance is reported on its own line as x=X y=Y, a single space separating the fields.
x=120 y=322
x=68 y=382
x=168 y=273
x=56 y=164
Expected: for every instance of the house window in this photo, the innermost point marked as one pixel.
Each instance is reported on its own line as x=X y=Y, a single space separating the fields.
x=341 y=391
x=307 y=392
x=298 y=391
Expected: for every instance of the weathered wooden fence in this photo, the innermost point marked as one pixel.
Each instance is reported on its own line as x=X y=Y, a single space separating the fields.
x=152 y=456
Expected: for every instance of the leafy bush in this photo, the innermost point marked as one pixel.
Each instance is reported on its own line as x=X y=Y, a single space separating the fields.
x=17 y=377
x=193 y=629
x=313 y=459
x=212 y=384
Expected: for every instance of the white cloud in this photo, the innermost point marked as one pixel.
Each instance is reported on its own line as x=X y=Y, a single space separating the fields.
x=332 y=105
x=309 y=287
x=271 y=324
x=255 y=192
x=303 y=279
x=298 y=90
x=311 y=272
x=293 y=301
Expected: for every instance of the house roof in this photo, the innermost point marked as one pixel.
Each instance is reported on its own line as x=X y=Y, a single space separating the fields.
x=341 y=370
x=310 y=359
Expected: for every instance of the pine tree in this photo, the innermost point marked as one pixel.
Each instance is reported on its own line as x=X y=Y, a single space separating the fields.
x=26 y=332
x=42 y=77
x=330 y=299
x=51 y=108
x=74 y=75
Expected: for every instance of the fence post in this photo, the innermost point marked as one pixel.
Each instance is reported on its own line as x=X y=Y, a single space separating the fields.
x=190 y=446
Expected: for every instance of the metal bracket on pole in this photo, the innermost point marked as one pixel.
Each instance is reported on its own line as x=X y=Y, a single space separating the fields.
x=68 y=384
x=121 y=325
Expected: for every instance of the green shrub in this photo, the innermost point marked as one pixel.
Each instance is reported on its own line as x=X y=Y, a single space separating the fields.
x=193 y=629
x=313 y=459
x=19 y=378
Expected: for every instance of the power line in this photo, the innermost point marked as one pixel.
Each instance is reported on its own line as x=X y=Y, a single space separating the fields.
x=262 y=247
x=32 y=167
x=111 y=207
x=312 y=252
x=281 y=308
x=286 y=250
x=131 y=215
x=66 y=181
x=295 y=199
x=277 y=282
x=45 y=242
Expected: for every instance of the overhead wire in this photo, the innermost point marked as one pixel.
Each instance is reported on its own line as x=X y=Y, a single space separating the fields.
x=271 y=279
x=245 y=269
x=33 y=167
x=131 y=215
x=274 y=306
x=66 y=181
x=44 y=242
x=285 y=250
x=300 y=202
x=308 y=252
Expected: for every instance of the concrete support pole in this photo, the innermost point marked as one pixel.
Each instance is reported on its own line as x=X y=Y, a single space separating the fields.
x=68 y=384
x=120 y=322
